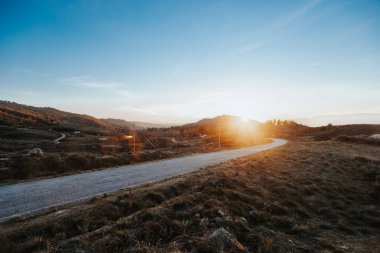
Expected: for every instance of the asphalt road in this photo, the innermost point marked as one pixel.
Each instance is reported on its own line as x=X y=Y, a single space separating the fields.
x=27 y=197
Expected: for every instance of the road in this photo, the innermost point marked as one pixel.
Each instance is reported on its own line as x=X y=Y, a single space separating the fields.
x=63 y=136
x=27 y=197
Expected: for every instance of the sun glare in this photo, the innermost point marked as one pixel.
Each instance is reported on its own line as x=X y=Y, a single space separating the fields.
x=126 y=136
x=244 y=117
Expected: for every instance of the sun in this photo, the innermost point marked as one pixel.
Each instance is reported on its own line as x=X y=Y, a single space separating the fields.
x=244 y=117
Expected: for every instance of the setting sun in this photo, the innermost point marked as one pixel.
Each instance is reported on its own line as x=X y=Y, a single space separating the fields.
x=189 y=126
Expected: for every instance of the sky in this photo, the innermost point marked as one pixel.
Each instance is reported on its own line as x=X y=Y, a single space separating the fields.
x=178 y=61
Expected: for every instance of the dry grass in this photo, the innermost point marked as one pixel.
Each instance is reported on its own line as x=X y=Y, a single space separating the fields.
x=303 y=197
x=83 y=153
x=363 y=139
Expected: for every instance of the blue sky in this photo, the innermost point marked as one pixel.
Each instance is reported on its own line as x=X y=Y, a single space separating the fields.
x=179 y=61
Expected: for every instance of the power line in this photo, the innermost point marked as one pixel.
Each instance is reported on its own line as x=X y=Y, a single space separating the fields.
x=134 y=139
x=219 y=126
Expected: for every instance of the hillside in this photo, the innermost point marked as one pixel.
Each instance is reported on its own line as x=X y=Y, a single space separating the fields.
x=138 y=124
x=224 y=121
x=328 y=132
x=12 y=113
x=357 y=118
x=233 y=127
x=306 y=196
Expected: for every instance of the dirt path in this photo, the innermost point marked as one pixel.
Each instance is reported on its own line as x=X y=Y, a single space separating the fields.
x=63 y=136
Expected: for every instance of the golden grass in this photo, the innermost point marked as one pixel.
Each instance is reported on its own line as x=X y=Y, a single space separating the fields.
x=303 y=197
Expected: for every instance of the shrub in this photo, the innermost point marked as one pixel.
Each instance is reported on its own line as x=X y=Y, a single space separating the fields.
x=36 y=243
x=364 y=139
x=24 y=166
x=376 y=188
x=53 y=162
x=77 y=162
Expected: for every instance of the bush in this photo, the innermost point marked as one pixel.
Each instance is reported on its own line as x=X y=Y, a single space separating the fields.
x=77 y=162
x=53 y=162
x=24 y=166
x=376 y=187
x=364 y=139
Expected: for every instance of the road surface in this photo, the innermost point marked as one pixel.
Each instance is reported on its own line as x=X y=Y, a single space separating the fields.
x=63 y=136
x=27 y=197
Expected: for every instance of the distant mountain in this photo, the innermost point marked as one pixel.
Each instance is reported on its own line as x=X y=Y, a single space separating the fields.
x=138 y=124
x=346 y=119
x=228 y=129
x=224 y=120
x=12 y=113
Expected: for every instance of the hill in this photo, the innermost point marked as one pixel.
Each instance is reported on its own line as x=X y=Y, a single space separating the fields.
x=344 y=119
x=306 y=196
x=328 y=132
x=12 y=114
x=230 y=130
x=223 y=120
x=138 y=124
x=235 y=128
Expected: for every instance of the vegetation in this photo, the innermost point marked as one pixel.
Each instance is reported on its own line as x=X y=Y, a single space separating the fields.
x=28 y=116
x=329 y=132
x=306 y=196
x=364 y=139
x=91 y=143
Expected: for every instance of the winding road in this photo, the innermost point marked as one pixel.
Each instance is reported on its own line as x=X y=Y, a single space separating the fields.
x=63 y=136
x=27 y=197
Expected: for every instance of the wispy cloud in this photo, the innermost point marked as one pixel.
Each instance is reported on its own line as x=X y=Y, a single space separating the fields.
x=282 y=23
x=27 y=71
x=316 y=63
x=177 y=110
x=88 y=82
x=248 y=48
x=139 y=109
x=287 y=20
x=357 y=29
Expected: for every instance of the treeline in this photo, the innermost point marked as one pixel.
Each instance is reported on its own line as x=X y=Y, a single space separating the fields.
x=234 y=131
x=284 y=129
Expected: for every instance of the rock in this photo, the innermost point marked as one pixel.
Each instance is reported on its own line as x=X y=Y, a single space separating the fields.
x=220 y=212
x=36 y=152
x=225 y=242
x=217 y=220
x=204 y=222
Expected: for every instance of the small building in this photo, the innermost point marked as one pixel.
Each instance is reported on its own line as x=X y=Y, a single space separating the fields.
x=376 y=136
x=124 y=131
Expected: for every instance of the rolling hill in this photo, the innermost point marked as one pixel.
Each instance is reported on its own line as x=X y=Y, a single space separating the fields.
x=138 y=124
x=12 y=114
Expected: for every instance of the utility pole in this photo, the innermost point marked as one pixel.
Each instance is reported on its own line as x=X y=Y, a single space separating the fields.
x=219 y=126
x=134 y=139
x=150 y=142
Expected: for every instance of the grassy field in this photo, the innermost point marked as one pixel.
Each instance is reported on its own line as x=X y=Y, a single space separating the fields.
x=83 y=151
x=306 y=196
